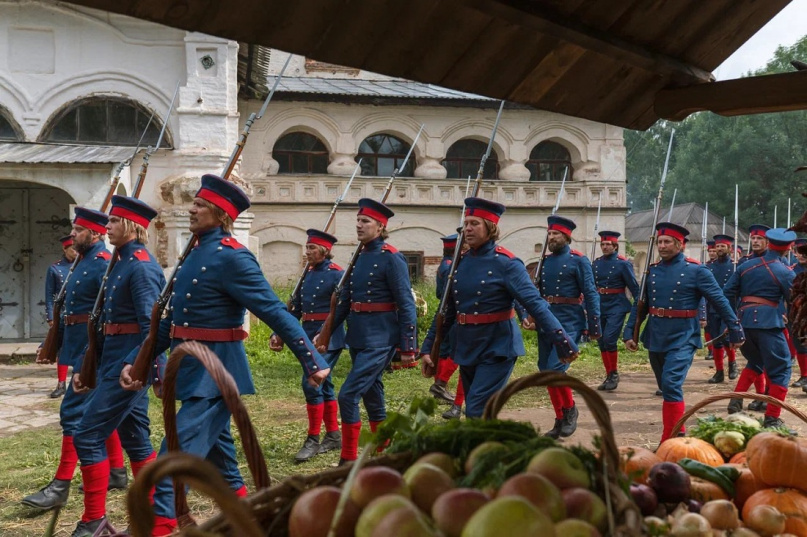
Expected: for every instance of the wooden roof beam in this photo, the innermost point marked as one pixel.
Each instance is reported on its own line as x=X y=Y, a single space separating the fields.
x=752 y=95
x=528 y=15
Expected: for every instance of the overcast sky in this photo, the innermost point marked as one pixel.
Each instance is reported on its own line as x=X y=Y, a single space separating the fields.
x=785 y=29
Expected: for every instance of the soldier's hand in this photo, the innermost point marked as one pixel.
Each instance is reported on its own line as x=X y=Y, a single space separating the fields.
x=157 y=386
x=275 y=343
x=528 y=324
x=320 y=348
x=737 y=345
x=127 y=382
x=427 y=368
x=37 y=359
x=407 y=358
x=316 y=380
x=631 y=345
x=78 y=387
x=570 y=358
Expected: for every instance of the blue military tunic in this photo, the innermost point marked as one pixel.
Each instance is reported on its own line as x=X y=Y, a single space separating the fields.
x=612 y=273
x=721 y=268
x=54 y=280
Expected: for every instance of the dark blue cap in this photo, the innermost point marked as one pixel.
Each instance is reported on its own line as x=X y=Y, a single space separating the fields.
x=92 y=220
x=449 y=241
x=375 y=210
x=321 y=238
x=224 y=195
x=710 y=244
x=672 y=230
x=779 y=238
x=482 y=208
x=610 y=235
x=132 y=209
x=724 y=239
x=758 y=229
x=559 y=223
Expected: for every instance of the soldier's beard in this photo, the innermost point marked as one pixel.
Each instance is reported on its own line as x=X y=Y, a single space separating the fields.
x=555 y=246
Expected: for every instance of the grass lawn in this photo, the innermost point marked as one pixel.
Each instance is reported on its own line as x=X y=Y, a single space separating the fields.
x=28 y=460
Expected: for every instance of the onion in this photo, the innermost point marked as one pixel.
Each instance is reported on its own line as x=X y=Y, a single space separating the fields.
x=766 y=520
x=744 y=532
x=691 y=525
x=721 y=514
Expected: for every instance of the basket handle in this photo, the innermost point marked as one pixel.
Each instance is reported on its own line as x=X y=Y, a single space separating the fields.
x=199 y=474
x=229 y=390
x=737 y=395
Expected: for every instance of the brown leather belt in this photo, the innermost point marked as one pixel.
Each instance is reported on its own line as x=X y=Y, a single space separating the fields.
x=748 y=301
x=209 y=334
x=365 y=307
x=315 y=316
x=80 y=318
x=564 y=300
x=485 y=318
x=610 y=291
x=115 y=329
x=673 y=314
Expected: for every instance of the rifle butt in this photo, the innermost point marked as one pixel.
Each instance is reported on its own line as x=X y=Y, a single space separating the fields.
x=641 y=315
x=324 y=337
x=89 y=367
x=438 y=340
x=143 y=363
x=51 y=344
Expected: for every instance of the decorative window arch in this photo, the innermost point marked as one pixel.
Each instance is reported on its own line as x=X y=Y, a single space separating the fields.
x=381 y=154
x=547 y=162
x=300 y=152
x=463 y=157
x=7 y=131
x=105 y=121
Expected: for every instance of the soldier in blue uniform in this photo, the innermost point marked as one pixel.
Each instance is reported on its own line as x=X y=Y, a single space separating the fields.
x=214 y=286
x=613 y=275
x=759 y=243
x=711 y=255
x=129 y=293
x=486 y=340
x=54 y=279
x=676 y=285
x=312 y=305
x=567 y=283
x=800 y=252
x=82 y=288
x=761 y=286
x=378 y=304
x=722 y=268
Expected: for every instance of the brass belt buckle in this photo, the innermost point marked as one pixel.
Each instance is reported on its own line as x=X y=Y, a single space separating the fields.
x=461 y=318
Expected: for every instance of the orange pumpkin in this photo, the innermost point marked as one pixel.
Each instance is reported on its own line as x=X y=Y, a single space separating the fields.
x=778 y=460
x=745 y=485
x=738 y=458
x=635 y=462
x=675 y=449
x=790 y=502
x=706 y=491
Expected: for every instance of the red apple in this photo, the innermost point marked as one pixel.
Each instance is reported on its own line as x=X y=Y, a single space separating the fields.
x=539 y=491
x=441 y=460
x=426 y=482
x=583 y=504
x=561 y=467
x=376 y=481
x=313 y=512
x=478 y=451
x=377 y=509
x=452 y=509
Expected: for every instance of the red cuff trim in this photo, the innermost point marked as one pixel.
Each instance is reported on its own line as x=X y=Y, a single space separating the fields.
x=89 y=224
x=219 y=201
x=481 y=213
x=130 y=215
x=375 y=215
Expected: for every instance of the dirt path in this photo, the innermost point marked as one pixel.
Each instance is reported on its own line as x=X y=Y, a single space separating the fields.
x=636 y=411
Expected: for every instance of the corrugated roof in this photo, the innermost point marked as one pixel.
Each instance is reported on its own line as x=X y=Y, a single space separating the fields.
x=370 y=88
x=31 y=153
x=690 y=215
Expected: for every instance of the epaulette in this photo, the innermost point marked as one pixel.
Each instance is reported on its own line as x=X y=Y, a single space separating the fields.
x=691 y=260
x=334 y=266
x=103 y=254
x=504 y=251
x=577 y=253
x=232 y=243
x=141 y=255
x=449 y=261
x=389 y=248
x=622 y=257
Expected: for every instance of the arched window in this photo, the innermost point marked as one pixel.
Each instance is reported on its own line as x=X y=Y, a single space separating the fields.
x=547 y=162
x=463 y=157
x=299 y=152
x=7 y=131
x=381 y=154
x=105 y=121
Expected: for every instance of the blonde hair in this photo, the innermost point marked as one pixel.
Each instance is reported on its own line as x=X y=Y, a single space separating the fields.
x=131 y=228
x=493 y=230
x=221 y=216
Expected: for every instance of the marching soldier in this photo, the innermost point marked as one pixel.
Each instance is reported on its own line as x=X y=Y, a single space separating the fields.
x=486 y=339
x=712 y=254
x=129 y=292
x=799 y=251
x=54 y=279
x=218 y=280
x=86 y=240
x=378 y=304
x=761 y=286
x=613 y=274
x=312 y=305
x=567 y=283
x=671 y=334
x=759 y=243
x=446 y=366
x=722 y=268
x=711 y=251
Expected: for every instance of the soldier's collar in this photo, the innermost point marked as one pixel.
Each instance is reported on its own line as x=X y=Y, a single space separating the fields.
x=213 y=234
x=374 y=244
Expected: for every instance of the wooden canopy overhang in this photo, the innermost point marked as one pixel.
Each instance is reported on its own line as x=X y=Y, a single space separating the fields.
x=624 y=62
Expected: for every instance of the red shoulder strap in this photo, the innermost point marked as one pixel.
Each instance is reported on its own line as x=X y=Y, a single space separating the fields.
x=622 y=257
x=232 y=243
x=141 y=255
x=693 y=260
x=389 y=248
x=504 y=251
x=576 y=252
x=103 y=254
x=334 y=266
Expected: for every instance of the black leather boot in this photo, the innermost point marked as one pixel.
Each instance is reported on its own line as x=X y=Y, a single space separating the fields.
x=310 y=448
x=735 y=405
x=439 y=391
x=332 y=440
x=88 y=529
x=717 y=378
x=569 y=422
x=118 y=479
x=455 y=412
x=54 y=494
x=554 y=432
x=733 y=374
x=59 y=391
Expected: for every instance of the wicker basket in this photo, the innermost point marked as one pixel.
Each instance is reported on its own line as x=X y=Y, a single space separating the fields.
x=269 y=507
x=738 y=395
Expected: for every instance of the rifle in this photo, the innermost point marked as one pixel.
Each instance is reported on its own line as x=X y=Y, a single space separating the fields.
x=703 y=233
x=326 y=331
x=537 y=277
x=672 y=206
x=339 y=199
x=596 y=229
x=47 y=355
x=441 y=310
x=89 y=367
x=142 y=365
x=735 y=257
x=642 y=307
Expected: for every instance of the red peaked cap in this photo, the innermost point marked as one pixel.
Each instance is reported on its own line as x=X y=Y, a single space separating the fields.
x=612 y=236
x=482 y=208
x=223 y=194
x=672 y=230
x=758 y=230
x=559 y=223
x=375 y=210
x=90 y=219
x=320 y=238
x=132 y=209
x=66 y=241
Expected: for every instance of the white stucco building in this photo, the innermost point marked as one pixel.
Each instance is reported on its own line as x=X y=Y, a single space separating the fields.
x=77 y=87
